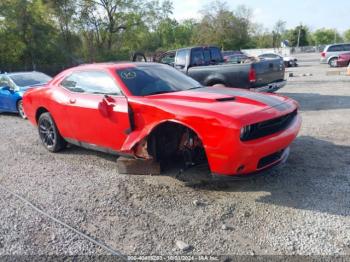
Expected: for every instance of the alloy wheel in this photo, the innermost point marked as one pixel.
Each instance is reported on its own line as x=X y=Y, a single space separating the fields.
x=47 y=132
x=21 y=110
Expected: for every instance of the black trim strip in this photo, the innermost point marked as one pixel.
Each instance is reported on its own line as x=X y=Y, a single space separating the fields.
x=262 y=98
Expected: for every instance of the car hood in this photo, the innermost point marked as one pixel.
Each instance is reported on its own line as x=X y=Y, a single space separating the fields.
x=231 y=102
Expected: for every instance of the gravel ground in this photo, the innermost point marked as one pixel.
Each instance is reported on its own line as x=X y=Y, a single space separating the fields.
x=299 y=208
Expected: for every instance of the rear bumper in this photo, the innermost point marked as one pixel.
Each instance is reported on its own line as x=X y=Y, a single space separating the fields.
x=270 y=88
x=324 y=61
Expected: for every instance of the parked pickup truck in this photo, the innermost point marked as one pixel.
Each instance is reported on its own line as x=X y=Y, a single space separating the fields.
x=207 y=66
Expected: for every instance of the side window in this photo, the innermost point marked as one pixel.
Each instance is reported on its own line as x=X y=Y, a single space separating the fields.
x=269 y=56
x=215 y=55
x=347 y=47
x=197 y=57
x=206 y=53
x=168 y=59
x=94 y=82
x=181 y=58
x=335 y=48
x=233 y=59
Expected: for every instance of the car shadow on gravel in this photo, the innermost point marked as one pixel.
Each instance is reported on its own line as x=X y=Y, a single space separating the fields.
x=316 y=177
x=316 y=102
x=10 y=114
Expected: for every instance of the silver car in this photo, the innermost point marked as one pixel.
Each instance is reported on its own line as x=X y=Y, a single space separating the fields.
x=331 y=53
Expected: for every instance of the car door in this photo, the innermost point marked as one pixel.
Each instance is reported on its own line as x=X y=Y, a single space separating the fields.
x=96 y=109
x=6 y=94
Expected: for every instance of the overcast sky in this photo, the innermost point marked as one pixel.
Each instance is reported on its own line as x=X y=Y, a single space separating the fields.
x=314 y=13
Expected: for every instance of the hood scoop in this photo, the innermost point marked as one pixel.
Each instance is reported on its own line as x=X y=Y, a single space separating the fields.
x=226 y=99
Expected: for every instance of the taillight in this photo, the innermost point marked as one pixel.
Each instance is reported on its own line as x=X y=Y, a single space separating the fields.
x=323 y=54
x=252 y=75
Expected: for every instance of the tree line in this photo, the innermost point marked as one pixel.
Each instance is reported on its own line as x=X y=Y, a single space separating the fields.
x=50 y=35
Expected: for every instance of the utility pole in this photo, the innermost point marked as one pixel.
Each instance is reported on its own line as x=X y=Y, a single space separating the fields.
x=335 y=36
x=299 y=36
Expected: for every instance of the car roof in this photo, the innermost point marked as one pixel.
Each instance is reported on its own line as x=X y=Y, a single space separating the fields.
x=199 y=46
x=115 y=65
x=19 y=73
x=337 y=44
x=109 y=66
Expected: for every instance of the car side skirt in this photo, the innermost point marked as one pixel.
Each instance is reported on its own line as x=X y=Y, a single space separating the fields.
x=97 y=148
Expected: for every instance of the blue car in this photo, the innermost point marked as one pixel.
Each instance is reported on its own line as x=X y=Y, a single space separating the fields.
x=13 y=86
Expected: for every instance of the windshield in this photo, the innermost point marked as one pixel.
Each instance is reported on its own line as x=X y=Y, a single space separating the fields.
x=30 y=79
x=158 y=79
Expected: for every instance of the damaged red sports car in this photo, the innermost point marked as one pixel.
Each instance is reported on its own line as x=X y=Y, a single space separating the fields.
x=147 y=110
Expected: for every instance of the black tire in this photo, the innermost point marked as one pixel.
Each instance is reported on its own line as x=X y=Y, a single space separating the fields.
x=49 y=134
x=20 y=109
x=333 y=62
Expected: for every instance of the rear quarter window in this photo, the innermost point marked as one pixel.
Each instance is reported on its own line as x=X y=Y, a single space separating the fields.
x=347 y=47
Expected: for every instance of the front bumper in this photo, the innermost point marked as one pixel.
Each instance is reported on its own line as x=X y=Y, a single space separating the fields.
x=245 y=158
x=260 y=172
x=270 y=88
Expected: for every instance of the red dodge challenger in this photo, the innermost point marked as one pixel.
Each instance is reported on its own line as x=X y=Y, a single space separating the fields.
x=152 y=111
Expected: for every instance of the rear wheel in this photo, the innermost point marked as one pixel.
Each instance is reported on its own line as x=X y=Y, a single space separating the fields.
x=49 y=134
x=20 y=109
x=333 y=62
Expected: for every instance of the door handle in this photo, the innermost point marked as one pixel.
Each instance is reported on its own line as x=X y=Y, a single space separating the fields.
x=72 y=100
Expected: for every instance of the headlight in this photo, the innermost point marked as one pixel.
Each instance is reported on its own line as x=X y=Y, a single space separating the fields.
x=245 y=131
